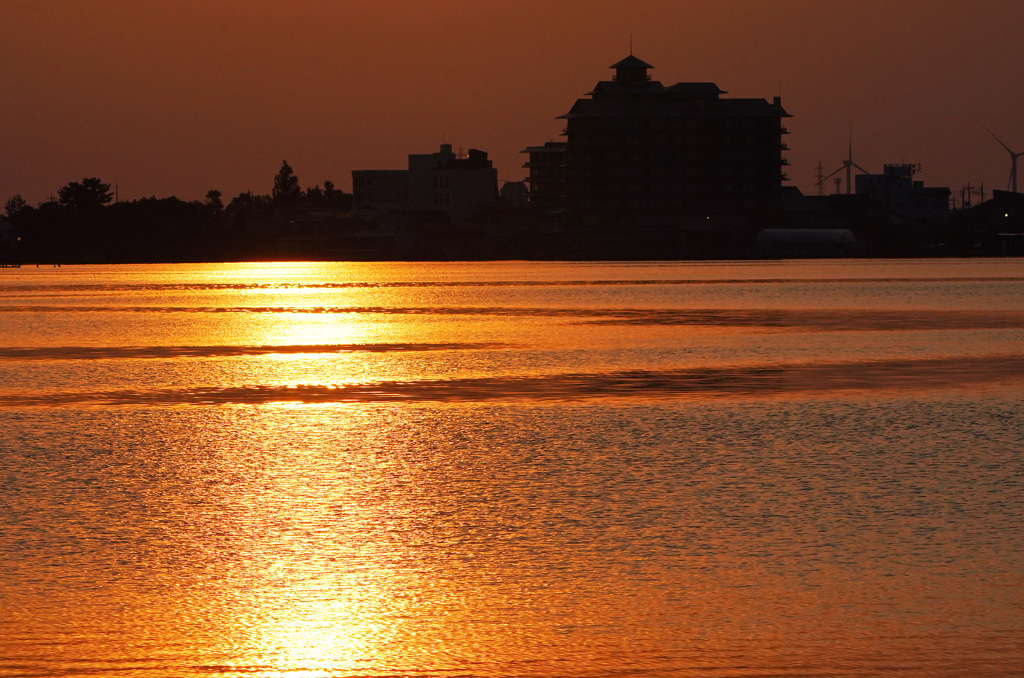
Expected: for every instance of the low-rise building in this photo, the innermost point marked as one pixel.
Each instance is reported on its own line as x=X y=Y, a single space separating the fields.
x=9 y=243
x=462 y=187
x=997 y=225
x=901 y=196
x=375 y=192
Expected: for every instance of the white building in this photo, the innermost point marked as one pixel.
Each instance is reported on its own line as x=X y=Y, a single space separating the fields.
x=460 y=187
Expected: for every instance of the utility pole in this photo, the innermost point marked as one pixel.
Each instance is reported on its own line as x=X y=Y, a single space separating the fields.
x=981 y=192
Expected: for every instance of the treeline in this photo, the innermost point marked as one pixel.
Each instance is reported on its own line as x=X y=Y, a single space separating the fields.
x=85 y=225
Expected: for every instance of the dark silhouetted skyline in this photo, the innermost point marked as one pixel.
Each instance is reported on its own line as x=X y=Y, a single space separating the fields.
x=177 y=98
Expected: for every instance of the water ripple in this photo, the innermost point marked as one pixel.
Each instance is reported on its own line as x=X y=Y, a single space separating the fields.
x=803 y=319
x=116 y=352
x=755 y=381
x=419 y=284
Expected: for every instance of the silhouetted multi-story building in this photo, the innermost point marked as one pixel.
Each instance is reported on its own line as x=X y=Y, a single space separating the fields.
x=640 y=152
x=459 y=186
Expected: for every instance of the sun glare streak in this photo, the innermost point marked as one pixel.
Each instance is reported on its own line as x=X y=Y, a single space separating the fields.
x=302 y=647
x=281 y=286
x=319 y=613
x=311 y=595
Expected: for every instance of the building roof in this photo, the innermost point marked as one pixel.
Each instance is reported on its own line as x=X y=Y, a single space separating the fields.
x=634 y=94
x=671 y=106
x=695 y=88
x=548 y=147
x=609 y=88
x=631 y=62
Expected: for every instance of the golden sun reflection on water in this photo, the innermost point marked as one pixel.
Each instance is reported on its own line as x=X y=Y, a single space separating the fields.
x=548 y=534
x=320 y=642
x=304 y=329
x=284 y=285
x=303 y=588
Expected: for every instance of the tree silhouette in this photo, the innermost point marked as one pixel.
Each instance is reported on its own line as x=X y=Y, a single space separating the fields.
x=213 y=200
x=314 y=195
x=15 y=205
x=329 y=190
x=248 y=200
x=90 y=194
x=286 y=185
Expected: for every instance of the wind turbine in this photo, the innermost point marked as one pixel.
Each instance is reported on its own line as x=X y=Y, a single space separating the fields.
x=1012 y=184
x=848 y=165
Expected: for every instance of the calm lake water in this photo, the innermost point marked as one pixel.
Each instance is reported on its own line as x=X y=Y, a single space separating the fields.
x=513 y=469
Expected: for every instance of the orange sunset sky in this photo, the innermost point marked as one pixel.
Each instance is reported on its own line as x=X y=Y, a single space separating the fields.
x=165 y=97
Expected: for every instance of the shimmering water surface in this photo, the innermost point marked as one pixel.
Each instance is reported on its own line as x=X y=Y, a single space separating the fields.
x=513 y=469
